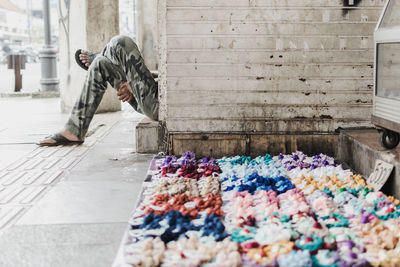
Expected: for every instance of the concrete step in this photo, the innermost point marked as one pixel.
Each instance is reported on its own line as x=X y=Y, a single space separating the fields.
x=149 y=136
x=361 y=148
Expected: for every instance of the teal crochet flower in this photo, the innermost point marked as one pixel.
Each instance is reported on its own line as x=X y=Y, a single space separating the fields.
x=241 y=235
x=335 y=220
x=309 y=242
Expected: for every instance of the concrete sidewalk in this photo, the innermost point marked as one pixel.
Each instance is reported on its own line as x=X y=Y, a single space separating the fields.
x=65 y=206
x=30 y=78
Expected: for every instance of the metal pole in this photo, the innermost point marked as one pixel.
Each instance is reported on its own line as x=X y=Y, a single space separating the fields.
x=29 y=13
x=48 y=56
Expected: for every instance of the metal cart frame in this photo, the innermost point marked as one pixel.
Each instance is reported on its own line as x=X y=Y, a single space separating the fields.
x=386 y=111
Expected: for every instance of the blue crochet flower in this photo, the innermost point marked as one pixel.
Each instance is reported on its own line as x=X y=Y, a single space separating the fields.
x=295 y=258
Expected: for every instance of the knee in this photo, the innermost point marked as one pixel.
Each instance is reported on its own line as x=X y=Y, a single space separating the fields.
x=124 y=42
x=120 y=39
x=99 y=62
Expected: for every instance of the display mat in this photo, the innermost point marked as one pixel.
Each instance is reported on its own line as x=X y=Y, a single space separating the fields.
x=286 y=210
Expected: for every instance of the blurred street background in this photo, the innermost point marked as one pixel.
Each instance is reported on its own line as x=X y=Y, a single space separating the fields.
x=30 y=78
x=22 y=32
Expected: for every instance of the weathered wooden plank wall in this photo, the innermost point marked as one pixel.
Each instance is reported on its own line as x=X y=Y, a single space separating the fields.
x=266 y=65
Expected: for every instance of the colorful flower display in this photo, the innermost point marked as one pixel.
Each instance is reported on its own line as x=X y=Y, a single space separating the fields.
x=286 y=210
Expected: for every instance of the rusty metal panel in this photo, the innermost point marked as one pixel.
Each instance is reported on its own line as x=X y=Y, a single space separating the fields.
x=214 y=145
x=223 y=144
x=309 y=144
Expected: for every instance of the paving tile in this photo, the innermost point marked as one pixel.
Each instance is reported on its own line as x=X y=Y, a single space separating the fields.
x=79 y=151
x=51 y=177
x=35 y=152
x=5 y=176
x=13 y=177
x=49 y=151
x=84 y=202
x=84 y=245
x=51 y=163
x=9 y=193
x=68 y=162
x=31 y=177
x=64 y=151
x=90 y=142
x=17 y=164
x=30 y=193
x=33 y=194
x=3 y=173
x=12 y=153
x=7 y=215
x=33 y=163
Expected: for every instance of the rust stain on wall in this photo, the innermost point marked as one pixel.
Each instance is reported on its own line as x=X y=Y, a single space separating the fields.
x=349 y=3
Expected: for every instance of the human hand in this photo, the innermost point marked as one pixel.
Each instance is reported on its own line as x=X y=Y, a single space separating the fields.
x=125 y=93
x=154 y=74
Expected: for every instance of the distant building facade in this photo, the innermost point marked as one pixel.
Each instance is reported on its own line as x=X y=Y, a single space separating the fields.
x=13 y=22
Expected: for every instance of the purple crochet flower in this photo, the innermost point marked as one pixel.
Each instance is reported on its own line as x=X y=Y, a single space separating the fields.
x=208 y=162
x=300 y=160
x=169 y=161
x=384 y=203
x=313 y=167
x=187 y=158
x=291 y=167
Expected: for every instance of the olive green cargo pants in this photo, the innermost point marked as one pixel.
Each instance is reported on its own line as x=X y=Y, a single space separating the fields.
x=119 y=62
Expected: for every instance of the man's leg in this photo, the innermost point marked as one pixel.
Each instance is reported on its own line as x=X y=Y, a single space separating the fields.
x=123 y=51
x=101 y=71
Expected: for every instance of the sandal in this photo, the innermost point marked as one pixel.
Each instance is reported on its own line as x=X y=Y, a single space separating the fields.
x=60 y=140
x=91 y=57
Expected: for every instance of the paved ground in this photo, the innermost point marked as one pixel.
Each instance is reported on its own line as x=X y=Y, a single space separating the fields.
x=65 y=206
x=30 y=78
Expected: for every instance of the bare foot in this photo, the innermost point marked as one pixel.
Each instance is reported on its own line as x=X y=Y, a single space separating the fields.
x=67 y=134
x=85 y=58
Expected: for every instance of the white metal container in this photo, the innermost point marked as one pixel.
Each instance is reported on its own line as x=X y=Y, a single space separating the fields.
x=386 y=113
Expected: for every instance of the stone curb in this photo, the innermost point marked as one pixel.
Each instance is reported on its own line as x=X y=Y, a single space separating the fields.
x=32 y=95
